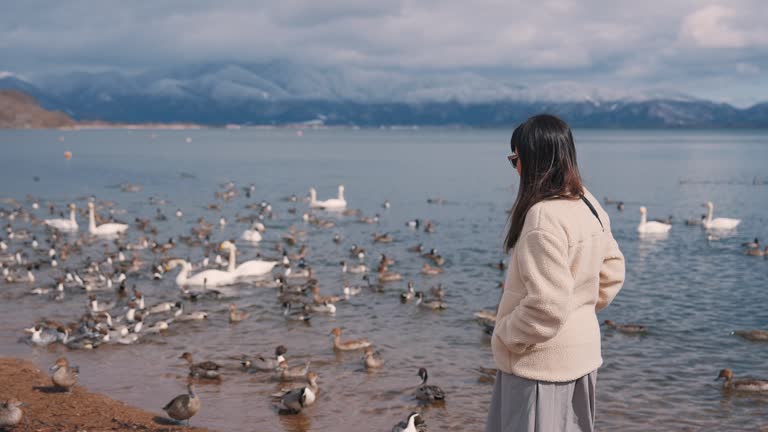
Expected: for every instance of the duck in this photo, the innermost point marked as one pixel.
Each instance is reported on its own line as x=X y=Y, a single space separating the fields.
x=718 y=223
x=413 y=224
x=356 y=269
x=428 y=304
x=185 y=406
x=237 y=315
x=757 y=252
x=253 y=234
x=10 y=413
x=370 y=359
x=754 y=244
x=350 y=291
x=348 y=345
x=414 y=423
x=103 y=230
x=426 y=392
x=370 y=220
x=263 y=364
x=429 y=270
x=64 y=376
x=320 y=299
x=419 y=248
x=746 y=384
x=436 y=258
x=338 y=203
x=699 y=221
x=206 y=278
x=499 y=265
x=387 y=276
x=408 y=294
x=382 y=238
x=651 y=227
x=752 y=335
x=324 y=307
x=64 y=225
x=288 y=373
x=626 y=328
x=295 y=316
x=292 y=402
x=206 y=369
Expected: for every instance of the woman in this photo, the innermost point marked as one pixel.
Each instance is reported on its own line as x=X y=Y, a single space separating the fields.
x=564 y=267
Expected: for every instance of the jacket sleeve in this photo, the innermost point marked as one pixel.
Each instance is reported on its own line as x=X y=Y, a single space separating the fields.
x=611 y=275
x=542 y=259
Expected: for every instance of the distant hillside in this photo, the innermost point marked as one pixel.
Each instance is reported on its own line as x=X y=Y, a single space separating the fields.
x=21 y=111
x=278 y=93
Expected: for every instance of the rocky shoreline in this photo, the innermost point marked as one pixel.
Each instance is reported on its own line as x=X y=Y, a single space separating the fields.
x=47 y=410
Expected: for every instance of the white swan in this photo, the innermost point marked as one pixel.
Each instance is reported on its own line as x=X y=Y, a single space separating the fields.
x=248 y=268
x=253 y=234
x=66 y=225
x=719 y=223
x=329 y=204
x=107 y=229
x=207 y=278
x=651 y=227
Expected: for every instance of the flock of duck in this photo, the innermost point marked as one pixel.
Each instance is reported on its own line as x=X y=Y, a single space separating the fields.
x=34 y=248
x=116 y=315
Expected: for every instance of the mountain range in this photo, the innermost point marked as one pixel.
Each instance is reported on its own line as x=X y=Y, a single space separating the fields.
x=281 y=92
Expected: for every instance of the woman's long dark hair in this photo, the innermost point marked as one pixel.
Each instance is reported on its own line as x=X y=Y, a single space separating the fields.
x=544 y=147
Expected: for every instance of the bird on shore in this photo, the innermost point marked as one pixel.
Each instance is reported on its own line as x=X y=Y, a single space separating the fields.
x=426 y=392
x=414 y=423
x=64 y=376
x=744 y=384
x=348 y=345
x=206 y=369
x=626 y=328
x=10 y=413
x=185 y=406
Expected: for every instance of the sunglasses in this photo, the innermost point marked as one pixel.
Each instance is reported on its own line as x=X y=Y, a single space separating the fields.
x=513 y=160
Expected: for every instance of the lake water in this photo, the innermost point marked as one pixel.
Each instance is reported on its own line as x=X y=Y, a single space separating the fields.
x=690 y=292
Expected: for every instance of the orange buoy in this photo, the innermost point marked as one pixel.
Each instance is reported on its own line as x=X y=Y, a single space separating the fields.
x=67 y=155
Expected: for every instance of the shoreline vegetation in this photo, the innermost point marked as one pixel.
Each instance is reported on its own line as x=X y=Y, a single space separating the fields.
x=47 y=410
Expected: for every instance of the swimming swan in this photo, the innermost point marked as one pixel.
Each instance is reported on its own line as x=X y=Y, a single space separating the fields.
x=107 y=229
x=248 y=268
x=253 y=234
x=67 y=225
x=207 y=278
x=651 y=227
x=719 y=223
x=329 y=204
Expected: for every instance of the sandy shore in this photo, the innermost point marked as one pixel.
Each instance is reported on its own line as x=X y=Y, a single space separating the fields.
x=47 y=410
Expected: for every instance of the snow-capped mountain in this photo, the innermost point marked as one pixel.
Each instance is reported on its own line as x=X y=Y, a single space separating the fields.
x=282 y=91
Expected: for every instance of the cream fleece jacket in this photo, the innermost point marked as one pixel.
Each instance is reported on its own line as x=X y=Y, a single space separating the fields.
x=562 y=271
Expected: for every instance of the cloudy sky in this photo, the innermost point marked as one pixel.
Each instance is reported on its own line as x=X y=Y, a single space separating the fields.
x=711 y=49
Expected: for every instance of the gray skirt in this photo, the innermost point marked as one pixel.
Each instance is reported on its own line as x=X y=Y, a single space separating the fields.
x=523 y=405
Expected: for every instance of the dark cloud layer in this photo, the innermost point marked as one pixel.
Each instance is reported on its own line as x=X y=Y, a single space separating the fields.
x=716 y=49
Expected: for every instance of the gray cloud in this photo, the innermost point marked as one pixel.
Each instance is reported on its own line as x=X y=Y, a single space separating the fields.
x=716 y=49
